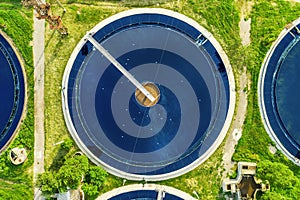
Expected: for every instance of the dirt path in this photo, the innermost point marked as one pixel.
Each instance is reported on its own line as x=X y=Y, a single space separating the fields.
x=39 y=137
x=241 y=107
x=237 y=125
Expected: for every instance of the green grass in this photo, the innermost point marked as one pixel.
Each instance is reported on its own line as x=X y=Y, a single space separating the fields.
x=57 y=53
x=220 y=18
x=268 y=20
x=265 y=29
x=11 y=1
x=11 y=190
x=205 y=179
x=17 y=23
x=123 y=3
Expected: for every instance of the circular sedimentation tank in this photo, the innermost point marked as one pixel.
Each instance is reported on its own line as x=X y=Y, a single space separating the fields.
x=12 y=90
x=146 y=192
x=279 y=88
x=179 y=63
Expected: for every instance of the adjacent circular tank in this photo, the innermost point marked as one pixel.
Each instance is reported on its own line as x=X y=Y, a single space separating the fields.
x=12 y=91
x=146 y=192
x=279 y=94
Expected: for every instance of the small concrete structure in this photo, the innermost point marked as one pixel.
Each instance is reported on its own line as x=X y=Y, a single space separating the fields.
x=246 y=185
x=64 y=196
x=70 y=195
x=18 y=155
x=142 y=99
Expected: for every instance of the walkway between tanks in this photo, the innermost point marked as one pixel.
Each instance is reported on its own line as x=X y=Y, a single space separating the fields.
x=241 y=107
x=39 y=136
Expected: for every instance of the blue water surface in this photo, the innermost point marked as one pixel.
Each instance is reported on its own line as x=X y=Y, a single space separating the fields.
x=12 y=92
x=287 y=93
x=194 y=95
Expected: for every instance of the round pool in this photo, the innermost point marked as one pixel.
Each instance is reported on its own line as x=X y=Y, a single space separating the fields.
x=12 y=90
x=279 y=96
x=145 y=192
x=180 y=63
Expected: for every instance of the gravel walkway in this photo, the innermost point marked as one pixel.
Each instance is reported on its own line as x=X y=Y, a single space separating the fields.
x=241 y=107
x=39 y=137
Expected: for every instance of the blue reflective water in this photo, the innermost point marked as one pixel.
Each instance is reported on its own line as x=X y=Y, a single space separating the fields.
x=12 y=91
x=7 y=91
x=144 y=195
x=287 y=92
x=136 y=195
x=168 y=100
x=175 y=132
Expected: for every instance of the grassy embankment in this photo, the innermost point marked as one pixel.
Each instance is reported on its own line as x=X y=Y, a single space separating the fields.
x=16 y=181
x=268 y=19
